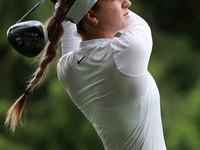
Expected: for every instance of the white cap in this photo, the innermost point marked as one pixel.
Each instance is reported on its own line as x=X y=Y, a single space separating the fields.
x=79 y=9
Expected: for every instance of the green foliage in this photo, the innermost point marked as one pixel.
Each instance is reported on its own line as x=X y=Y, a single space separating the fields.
x=53 y=121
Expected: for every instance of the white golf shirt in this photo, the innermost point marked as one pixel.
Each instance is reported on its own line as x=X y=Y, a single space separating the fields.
x=108 y=80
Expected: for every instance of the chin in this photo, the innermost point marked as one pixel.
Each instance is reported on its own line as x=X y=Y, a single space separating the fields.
x=126 y=25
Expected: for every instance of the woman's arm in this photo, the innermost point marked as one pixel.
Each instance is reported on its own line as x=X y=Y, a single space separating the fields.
x=137 y=24
x=134 y=47
x=70 y=40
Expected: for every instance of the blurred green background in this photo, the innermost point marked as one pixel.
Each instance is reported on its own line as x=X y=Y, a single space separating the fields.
x=52 y=120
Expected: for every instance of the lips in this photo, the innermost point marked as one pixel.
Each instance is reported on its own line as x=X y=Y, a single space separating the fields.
x=126 y=14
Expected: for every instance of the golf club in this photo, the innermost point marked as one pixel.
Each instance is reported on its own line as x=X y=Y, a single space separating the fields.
x=31 y=10
x=29 y=37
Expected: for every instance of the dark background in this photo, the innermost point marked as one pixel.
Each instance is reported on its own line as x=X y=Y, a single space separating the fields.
x=52 y=120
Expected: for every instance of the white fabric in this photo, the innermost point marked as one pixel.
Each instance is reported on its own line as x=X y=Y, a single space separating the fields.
x=113 y=88
x=70 y=40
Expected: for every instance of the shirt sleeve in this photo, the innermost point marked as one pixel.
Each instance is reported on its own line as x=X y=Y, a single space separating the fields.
x=133 y=48
x=70 y=40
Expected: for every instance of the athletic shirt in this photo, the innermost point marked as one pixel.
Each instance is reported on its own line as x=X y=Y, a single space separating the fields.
x=108 y=80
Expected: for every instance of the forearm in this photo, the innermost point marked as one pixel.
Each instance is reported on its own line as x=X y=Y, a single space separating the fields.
x=136 y=23
x=70 y=40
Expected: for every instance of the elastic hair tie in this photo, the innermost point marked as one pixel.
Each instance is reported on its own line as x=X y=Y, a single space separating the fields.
x=59 y=15
x=26 y=92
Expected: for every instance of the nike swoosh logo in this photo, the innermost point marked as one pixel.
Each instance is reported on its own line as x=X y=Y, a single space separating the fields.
x=79 y=61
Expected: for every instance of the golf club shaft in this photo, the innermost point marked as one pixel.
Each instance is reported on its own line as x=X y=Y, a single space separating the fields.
x=30 y=11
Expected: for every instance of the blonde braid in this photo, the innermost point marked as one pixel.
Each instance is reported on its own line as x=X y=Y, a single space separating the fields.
x=55 y=32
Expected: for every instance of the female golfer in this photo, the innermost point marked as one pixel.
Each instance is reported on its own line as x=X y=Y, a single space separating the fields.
x=105 y=76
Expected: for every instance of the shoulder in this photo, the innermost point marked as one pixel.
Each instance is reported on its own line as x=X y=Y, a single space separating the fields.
x=131 y=54
x=67 y=58
x=64 y=62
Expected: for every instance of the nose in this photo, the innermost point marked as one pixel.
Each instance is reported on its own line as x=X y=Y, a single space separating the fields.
x=126 y=4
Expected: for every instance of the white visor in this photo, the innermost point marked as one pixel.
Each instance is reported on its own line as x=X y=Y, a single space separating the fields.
x=79 y=9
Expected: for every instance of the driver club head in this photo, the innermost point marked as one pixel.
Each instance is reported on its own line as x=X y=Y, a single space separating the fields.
x=28 y=38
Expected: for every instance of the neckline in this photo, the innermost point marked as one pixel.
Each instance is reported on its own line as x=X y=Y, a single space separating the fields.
x=94 y=42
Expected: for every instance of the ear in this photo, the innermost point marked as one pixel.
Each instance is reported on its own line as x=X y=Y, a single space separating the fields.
x=91 y=16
